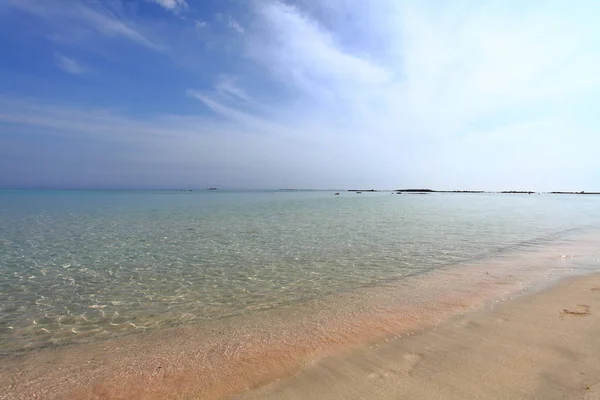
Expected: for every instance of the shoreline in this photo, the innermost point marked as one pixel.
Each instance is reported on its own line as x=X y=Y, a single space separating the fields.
x=540 y=345
x=223 y=358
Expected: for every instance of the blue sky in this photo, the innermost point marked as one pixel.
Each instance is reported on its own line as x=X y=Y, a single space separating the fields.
x=311 y=94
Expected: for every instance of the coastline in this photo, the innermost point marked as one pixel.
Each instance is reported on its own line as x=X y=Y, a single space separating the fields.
x=540 y=345
x=224 y=358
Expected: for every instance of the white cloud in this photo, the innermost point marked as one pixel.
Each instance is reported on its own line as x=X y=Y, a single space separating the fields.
x=69 y=65
x=304 y=55
x=176 y=6
x=112 y=26
x=438 y=69
x=383 y=94
x=233 y=24
x=200 y=24
x=442 y=74
x=228 y=87
x=238 y=150
x=70 y=19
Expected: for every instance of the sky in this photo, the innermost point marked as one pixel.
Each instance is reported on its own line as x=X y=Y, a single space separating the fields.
x=323 y=94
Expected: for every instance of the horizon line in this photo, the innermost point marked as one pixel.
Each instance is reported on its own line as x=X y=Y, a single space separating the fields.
x=216 y=189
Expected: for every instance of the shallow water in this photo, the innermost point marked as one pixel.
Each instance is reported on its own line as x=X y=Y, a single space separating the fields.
x=83 y=265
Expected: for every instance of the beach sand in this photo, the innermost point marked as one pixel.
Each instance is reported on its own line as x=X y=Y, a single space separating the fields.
x=448 y=334
x=539 y=346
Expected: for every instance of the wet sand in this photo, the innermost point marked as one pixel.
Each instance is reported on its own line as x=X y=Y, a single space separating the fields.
x=320 y=349
x=539 y=346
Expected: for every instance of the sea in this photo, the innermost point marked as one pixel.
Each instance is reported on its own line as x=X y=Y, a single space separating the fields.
x=85 y=266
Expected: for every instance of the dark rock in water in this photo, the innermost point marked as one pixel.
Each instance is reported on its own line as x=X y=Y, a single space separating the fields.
x=582 y=192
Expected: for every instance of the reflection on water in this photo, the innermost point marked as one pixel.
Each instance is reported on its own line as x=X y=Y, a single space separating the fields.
x=76 y=266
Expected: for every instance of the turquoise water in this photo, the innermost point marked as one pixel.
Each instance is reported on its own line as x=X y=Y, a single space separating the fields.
x=81 y=265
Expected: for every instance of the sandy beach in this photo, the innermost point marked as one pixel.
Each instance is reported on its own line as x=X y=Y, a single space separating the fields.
x=539 y=346
x=477 y=331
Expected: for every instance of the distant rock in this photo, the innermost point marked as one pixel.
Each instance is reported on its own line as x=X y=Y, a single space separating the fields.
x=582 y=192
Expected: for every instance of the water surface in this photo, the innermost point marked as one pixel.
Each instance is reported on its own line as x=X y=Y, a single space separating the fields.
x=86 y=265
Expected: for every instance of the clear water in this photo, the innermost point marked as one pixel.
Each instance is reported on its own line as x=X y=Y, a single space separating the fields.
x=82 y=265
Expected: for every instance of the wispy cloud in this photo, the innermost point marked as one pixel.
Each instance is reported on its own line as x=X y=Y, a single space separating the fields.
x=442 y=67
x=341 y=94
x=69 y=65
x=200 y=24
x=227 y=86
x=110 y=25
x=303 y=54
x=233 y=24
x=71 y=18
x=175 y=6
x=238 y=150
x=441 y=81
